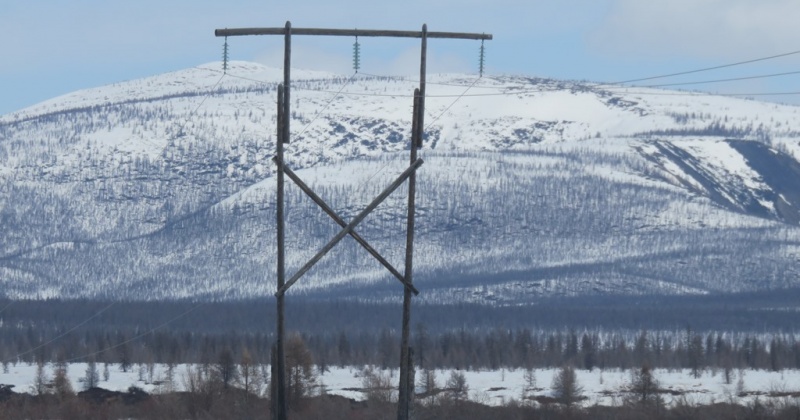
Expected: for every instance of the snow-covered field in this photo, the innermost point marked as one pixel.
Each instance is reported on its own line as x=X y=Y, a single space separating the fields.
x=601 y=387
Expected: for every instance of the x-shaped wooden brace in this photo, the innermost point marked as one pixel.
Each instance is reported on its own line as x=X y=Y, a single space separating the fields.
x=348 y=229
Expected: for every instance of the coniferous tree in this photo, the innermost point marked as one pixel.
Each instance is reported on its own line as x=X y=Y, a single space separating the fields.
x=92 y=376
x=565 y=386
x=40 y=382
x=644 y=386
x=225 y=368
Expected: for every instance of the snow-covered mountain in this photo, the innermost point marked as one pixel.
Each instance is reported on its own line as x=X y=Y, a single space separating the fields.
x=164 y=188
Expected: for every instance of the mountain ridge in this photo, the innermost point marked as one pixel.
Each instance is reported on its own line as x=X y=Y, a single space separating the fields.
x=163 y=188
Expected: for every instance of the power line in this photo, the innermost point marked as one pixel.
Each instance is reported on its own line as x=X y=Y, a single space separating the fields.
x=101 y=351
x=760 y=94
x=461 y=95
x=247 y=78
x=405 y=79
x=333 y=98
x=678 y=93
x=205 y=97
x=430 y=124
x=553 y=89
x=191 y=114
x=545 y=89
x=61 y=335
x=11 y=302
x=739 y=63
x=734 y=79
x=567 y=88
x=472 y=86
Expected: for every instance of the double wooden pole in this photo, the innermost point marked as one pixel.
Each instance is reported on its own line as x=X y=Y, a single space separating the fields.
x=406 y=385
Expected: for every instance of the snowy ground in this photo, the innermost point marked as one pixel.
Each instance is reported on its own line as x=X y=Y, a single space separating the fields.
x=603 y=387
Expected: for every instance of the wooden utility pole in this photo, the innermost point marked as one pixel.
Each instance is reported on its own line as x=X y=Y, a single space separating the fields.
x=405 y=393
x=406 y=385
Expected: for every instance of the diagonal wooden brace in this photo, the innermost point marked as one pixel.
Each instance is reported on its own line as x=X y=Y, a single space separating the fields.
x=330 y=212
x=349 y=228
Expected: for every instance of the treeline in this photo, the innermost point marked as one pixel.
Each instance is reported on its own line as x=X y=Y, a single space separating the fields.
x=498 y=349
x=445 y=336
x=588 y=350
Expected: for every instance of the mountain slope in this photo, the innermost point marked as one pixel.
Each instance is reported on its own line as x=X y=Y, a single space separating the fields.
x=163 y=188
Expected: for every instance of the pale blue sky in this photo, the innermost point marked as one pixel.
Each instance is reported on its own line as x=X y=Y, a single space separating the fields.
x=53 y=47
